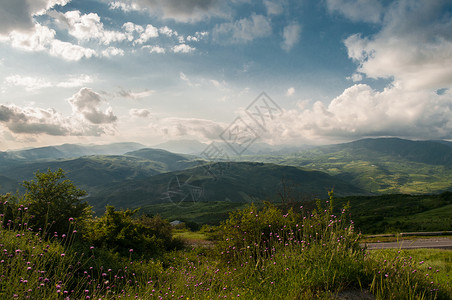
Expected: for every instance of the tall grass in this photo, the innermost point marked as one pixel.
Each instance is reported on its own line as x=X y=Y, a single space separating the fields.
x=259 y=254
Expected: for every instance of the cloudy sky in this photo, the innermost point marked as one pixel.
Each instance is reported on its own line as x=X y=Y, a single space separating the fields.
x=148 y=71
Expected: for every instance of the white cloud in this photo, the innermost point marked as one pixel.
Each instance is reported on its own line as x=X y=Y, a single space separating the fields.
x=130 y=29
x=183 y=48
x=29 y=83
x=87 y=104
x=357 y=10
x=290 y=91
x=76 y=81
x=198 y=36
x=243 y=31
x=124 y=6
x=155 y=49
x=70 y=51
x=291 y=35
x=150 y=32
x=168 y=31
x=43 y=39
x=361 y=111
x=112 y=51
x=414 y=47
x=35 y=83
x=88 y=27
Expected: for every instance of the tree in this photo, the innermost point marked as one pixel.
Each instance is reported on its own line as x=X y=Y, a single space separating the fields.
x=55 y=202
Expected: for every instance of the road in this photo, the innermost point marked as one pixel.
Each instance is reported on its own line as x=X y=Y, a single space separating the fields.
x=440 y=242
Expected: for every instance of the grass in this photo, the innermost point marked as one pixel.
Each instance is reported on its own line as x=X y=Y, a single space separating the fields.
x=260 y=253
x=371 y=214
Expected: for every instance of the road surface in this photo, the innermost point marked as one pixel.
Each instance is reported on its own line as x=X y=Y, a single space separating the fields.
x=440 y=242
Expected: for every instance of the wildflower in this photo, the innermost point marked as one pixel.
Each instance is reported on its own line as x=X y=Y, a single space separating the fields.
x=71 y=219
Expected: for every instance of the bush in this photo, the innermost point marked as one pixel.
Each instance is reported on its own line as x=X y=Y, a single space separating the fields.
x=119 y=231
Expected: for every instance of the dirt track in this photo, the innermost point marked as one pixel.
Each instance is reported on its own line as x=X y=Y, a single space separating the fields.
x=440 y=242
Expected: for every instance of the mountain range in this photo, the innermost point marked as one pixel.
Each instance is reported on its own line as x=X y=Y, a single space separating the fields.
x=129 y=175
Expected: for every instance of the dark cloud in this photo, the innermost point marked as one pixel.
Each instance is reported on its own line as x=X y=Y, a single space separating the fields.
x=88 y=118
x=18 y=14
x=87 y=103
x=31 y=121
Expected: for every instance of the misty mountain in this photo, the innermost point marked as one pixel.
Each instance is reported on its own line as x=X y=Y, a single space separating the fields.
x=69 y=151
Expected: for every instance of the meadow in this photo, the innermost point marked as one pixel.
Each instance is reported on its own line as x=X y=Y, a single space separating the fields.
x=256 y=253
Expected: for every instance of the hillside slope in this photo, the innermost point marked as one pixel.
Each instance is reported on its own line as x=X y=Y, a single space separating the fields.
x=385 y=165
x=238 y=182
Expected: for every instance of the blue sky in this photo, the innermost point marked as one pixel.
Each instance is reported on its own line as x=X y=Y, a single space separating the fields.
x=148 y=71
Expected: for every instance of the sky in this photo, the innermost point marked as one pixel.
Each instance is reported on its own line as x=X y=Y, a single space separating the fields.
x=150 y=71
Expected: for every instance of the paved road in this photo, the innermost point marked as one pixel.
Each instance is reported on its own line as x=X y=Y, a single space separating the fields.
x=441 y=243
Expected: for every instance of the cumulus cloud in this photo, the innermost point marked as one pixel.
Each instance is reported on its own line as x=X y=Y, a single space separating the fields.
x=23 y=123
x=112 y=51
x=290 y=91
x=414 y=46
x=42 y=39
x=243 y=30
x=18 y=15
x=183 y=48
x=168 y=31
x=181 y=11
x=150 y=32
x=357 y=10
x=361 y=111
x=88 y=27
x=198 y=36
x=87 y=103
x=33 y=120
x=291 y=36
x=155 y=49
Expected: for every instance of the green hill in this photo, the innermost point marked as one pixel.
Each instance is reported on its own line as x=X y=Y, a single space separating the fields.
x=239 y=182
x=378 y=165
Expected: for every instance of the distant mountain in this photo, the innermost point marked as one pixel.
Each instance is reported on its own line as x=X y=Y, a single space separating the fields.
x=70 y=151
x=172 y=160
x=234 y=182
x=196 y=148
x=429 y=152
x=90 y=172
x=182 y=146
x=383 y=165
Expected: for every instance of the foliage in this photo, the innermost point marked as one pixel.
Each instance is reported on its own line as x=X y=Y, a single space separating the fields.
x=54 y=202
x=118 y=230
x=319 y=258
